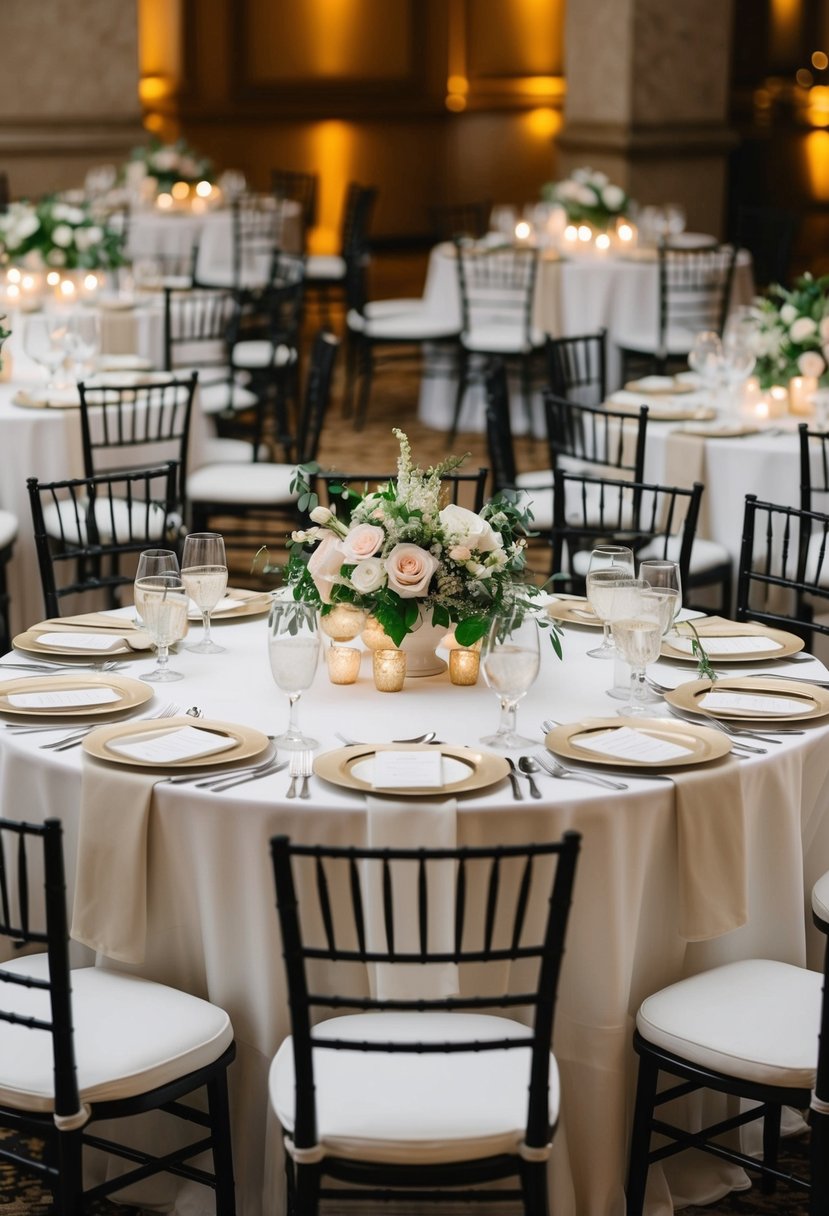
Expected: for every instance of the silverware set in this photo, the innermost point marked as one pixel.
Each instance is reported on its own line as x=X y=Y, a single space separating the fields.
x=37 y=668
x=300 y=768
x=76 y=737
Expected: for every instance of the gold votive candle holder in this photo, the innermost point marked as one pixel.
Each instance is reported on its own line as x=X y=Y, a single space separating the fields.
x=343 y=622
x=389 y=669
x=464 y=665
x=343 y=664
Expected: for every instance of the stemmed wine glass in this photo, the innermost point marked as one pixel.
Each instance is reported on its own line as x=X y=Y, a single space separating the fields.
x=706 y=359
x=510 y=659
x=161 y=600
x=294 y=646
x=82 y=341
x=154 y=561
x=639 y=638
x=44 y=340
x=738 y=346
x=664 y=579
x=204 y=572
x=610 y=563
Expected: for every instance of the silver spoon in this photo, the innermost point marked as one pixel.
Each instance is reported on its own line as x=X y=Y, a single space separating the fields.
x=529 y=766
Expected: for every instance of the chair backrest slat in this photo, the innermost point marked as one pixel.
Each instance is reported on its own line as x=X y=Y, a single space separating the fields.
x=357 y=905
x=599 y=436
x=577 y=367
x=388 y=906
x=325 y=905
x=492 y=903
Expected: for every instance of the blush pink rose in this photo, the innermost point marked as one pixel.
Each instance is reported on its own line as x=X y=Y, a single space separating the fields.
x=409 y=569
x=362 y=541
x=324 y=565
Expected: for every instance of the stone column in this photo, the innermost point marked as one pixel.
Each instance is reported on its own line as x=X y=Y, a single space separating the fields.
x=68 y=90
x=647 y=100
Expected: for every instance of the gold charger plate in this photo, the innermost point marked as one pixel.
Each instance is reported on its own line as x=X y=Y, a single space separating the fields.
x=671 y=387
x=482 y=769
x=815 y=700
x=131 y=694
x=28 y=643
x=664 y=413
x=789 y=644
x=574 y=612
x=251 y=603
x=248 y=742
x=704 y=743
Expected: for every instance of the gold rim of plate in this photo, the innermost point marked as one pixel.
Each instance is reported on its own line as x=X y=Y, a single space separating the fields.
x=133 y=693
x=28 y=643
x=790 y=644
x=484 y=768
x=815 y=700
x=705 y=743
x=249 y=742
x=251 y=603
x=674 y=389
x=576 y=612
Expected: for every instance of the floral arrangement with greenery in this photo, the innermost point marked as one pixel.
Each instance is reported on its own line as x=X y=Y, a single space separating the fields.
x=55 y=234
x=169 y=163
x=791 y=331
x=4 y=333
x=397 y=551
x=588 y=197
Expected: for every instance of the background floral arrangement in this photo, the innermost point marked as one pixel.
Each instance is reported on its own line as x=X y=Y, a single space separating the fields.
x=791 y=331
x=588 y=196
x=56 y=234
x=169 y=163
x=401 y=552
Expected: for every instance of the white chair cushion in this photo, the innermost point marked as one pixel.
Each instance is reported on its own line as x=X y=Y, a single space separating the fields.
x=324 y=266
x=415 y=1109
x=820 y=898
x=258 y=353
x=678 y=341
x=705 y=554
x=416 y=326
x=131 y=1035
x=215 y=398
x=756 y=1019
x=538 y=495
x=375 y=309
x=218 y=450
x=61 y=521
x=8 y=528
x=262 y=483
x=506 y=339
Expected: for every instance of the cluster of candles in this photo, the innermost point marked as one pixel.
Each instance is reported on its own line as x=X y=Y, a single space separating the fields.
x=798 y=397
x=26 y=289
x=197 y=198
x=577 y=238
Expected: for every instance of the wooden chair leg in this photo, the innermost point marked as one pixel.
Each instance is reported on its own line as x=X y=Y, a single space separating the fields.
x=222 y=1154
x=640 y=1140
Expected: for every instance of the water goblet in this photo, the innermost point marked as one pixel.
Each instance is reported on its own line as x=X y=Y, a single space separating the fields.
x=706 y=359
x=44 y=337
x=638 y=637
x=739 y=350
x=617 y=561
x=294 y=647
x=510 y=659
x=204 y=572
x=664 y=579
x=82 y=341
x=154 y=561
x=161 y=600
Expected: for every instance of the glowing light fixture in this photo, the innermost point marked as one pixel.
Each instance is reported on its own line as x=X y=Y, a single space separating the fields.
x=204 y=189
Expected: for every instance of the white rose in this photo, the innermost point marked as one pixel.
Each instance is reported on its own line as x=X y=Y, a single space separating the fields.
x=56 y=257
x=599 y=179
x=324 y=566
x=362 y=541
x=25 y=226
x=810 y=363
x=581 y=175
x=824 y=329
x=613 y=197
x=368 y=575
x=321 y=515
x=466 y=528
x=61 y=211
x=802 y=328
x=62 y=235
x=165 y=159
x=788 y=313
x=587 y=196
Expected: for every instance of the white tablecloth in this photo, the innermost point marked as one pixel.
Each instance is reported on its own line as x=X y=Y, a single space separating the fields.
x=212 y=924
x=576 y=296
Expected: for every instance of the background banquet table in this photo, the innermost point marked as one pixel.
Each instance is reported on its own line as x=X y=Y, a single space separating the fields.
x=212 y=925
x=579 y=295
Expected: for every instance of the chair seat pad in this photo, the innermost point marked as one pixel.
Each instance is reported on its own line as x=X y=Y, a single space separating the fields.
x=705 y=554
x=220 y=450
x=131 y=1035
x=121 y=523
x=262 y=483
x=375 y=309
x=416 y=326
x=506 y=339
x=537 y=487
x=756 y=1019
x=324 y=266
x=820 y=899
x=678 y=341
x=216 y=398
x=8 y=528
x=415 y=1109
x=256 y=353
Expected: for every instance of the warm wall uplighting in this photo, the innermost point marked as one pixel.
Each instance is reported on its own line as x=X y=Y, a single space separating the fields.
x=543 y=123
x=817 y=109
x=457 y=84
x=817 y=161
x=331 y=144
x=784 y=33
x=455 y=102
x=152 y=89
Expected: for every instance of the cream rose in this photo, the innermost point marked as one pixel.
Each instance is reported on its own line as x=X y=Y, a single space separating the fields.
x=409 y=570
x=810 y=363
x=468 y=529
x=613 y=197
x=368 y=575
x=362 y=541
x=788 y=313
x=324 y=566
x=824 y=329
x=802 y=328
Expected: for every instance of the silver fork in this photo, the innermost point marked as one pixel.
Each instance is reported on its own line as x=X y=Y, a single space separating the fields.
x=554 y=769
x=51 y=669
x=295 y=769
x=77 y=737
x=306 y=767
x=715 y=724
x=427 y=738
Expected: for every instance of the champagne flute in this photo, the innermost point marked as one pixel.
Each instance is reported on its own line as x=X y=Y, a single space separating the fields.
x=154 y=561
x=613 y=562
x=204 y=572
x=162 y=601
x=639 y=638
x=510 y=659
x=294 y=646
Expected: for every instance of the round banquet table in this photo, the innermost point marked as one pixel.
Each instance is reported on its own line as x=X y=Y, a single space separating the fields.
x=576 y=295
x=211 y=923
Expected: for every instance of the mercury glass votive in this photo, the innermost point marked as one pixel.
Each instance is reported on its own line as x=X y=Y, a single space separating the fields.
x=343 y=664
x=389 y=669
x=464 y=665
x=343 y=622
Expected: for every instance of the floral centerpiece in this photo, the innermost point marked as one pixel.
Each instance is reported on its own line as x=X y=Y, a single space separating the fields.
x=168 y=164
x=791 y=331
x=4 y=333
x=588 y=197
x=399 y=554
x=55 y=234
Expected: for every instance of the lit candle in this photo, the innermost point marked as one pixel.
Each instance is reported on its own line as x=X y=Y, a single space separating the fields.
x=389 y=669
x=585 y=233
x=204 y=189
x=343 y=664
x=53 y=278
x=67 y=289
x=13 y=275
x=180 y=191
x=522 y=231
x=761 y=410
x=571 y=234
x=602 y=242
x=464 y=666
x=625 y=233
x=801 y=389
x=164 y=202
x=343 y=622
